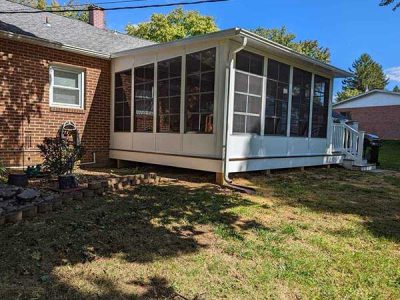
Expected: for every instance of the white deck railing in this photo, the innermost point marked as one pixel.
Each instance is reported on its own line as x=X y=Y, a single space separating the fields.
x=348 y=141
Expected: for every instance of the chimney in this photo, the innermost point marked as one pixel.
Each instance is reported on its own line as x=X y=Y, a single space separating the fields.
x=96 y=16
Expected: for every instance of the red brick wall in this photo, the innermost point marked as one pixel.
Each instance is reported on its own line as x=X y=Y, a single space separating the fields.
x=381 y=120
x=25 y=115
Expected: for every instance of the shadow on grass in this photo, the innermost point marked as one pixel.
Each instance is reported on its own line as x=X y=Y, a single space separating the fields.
x=147 y=224
x=374 y=197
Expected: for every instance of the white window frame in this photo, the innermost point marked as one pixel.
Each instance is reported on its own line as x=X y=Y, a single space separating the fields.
x=80 y=88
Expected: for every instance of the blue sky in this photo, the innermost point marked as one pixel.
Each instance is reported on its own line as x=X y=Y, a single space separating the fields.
x=348 y=27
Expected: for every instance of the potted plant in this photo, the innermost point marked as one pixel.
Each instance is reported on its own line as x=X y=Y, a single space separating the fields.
x=59 y=158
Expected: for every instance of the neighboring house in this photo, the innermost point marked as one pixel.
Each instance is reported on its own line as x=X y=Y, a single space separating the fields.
x=225 y=102
x=376 y=112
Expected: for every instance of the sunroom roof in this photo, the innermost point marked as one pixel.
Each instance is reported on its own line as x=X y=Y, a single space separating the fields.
x=253 y=39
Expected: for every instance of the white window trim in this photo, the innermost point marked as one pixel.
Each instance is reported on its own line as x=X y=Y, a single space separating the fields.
x=81 y=87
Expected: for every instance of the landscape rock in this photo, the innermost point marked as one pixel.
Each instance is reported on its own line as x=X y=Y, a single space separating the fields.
x=29 y=211
x=28 y=195
x=13 y=216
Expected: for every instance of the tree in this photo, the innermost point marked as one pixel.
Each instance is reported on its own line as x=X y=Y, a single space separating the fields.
x=396 y=4
x=288 y=39
x=396 y=89
x=347 y=93
x=367 y=75
x=176 y=25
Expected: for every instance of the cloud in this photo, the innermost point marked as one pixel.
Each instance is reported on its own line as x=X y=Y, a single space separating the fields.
x=393 y=73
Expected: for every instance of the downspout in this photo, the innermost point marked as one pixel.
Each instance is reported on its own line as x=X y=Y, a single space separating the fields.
x=228 y=86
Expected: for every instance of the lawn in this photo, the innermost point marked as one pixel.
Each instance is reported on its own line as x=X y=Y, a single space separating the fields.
x=390 y=155
x=317 y=234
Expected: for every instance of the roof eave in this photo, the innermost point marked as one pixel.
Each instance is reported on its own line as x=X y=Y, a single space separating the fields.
x=52 y=44
x=338 y=73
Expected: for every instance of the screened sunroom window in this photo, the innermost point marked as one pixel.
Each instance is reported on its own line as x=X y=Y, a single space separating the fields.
x=320 y=107
x=276 y=108
x=66 y=87
x=301 y=97
x=122 y=101
x=169 y=95
x=199 y=98
x=144 y=98
x=248 y=92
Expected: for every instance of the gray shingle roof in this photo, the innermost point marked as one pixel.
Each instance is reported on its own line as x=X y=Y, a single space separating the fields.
x=66 y=31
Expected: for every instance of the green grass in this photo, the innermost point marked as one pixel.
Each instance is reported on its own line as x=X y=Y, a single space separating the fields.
x=318 y=234
x=389 y=156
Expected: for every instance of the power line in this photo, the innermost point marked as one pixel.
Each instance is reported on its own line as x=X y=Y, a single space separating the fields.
x=101 y=3
x=113 y=8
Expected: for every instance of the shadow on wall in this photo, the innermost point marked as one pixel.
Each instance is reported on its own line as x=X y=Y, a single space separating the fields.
x=139 y=228
x=20 y=99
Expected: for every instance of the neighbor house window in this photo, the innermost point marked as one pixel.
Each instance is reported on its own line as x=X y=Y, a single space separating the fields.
x=320 y=107
x=301 y=95
x=66 y=87
x=200 y=84
x=276 y=108
x=248 y=92
x=169 y=95
x=122 y=101
x=144 y=98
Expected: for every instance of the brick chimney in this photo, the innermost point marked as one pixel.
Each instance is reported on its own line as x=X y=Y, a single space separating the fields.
x=96 y=16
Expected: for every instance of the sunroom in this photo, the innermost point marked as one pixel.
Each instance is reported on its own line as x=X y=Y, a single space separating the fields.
x=225 y=102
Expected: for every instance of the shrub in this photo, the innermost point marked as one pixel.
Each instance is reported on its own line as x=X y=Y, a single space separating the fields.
x=59 y=155
x=3 y=170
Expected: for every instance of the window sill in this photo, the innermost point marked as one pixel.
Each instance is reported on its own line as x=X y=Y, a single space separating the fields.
x=67 y=110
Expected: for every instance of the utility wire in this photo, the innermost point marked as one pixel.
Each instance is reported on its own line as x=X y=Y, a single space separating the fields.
x=101 y=3
x=112 y=8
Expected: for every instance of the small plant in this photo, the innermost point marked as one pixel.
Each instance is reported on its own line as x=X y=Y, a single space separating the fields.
x=3 y=170
x=59 y=155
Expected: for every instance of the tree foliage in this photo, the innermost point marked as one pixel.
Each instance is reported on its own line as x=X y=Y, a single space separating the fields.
x=395 y=4
x=288 y=39
x=176 y=25
x=396 y=89
x=55 y=5
x=367 y=75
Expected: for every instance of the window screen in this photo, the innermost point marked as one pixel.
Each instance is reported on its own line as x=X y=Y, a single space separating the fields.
x=248 y=92
x=301 y=95
x=199 y=98
x=66 y=87
x=144 y=98
x=169 y=95
x=276 y=109
x=122 y=101
x=320 y=107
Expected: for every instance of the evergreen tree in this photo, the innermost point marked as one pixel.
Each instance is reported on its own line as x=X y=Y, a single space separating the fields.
x=396 y=89
x=367 y=75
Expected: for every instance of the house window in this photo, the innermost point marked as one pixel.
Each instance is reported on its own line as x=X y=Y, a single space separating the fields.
x=66 y=87
x=276 y=109
x=144 y=98
x=301 y=96
x=169 y=95
x=122 y=101
x=200 y=84
x=248 y=93
x=320 y=107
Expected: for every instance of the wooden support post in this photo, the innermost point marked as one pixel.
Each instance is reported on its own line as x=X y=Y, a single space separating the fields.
x=267 y=172
x=302 y=169
x=119 y=163
x=219 y=178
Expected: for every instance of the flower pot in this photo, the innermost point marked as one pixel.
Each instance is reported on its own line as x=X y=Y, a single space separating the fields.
x=18 y=179
x=67 y=182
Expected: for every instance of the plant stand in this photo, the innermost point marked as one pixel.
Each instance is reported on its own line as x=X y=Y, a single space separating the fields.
x=67 y=182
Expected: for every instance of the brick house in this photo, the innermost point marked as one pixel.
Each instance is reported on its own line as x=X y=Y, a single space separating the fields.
x=377 y=112
x=224 y=102
x=54 y=69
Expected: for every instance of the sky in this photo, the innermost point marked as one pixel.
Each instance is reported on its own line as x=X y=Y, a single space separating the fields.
x=348 y=28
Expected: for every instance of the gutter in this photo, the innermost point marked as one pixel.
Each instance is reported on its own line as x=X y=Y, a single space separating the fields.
x=52 y=44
